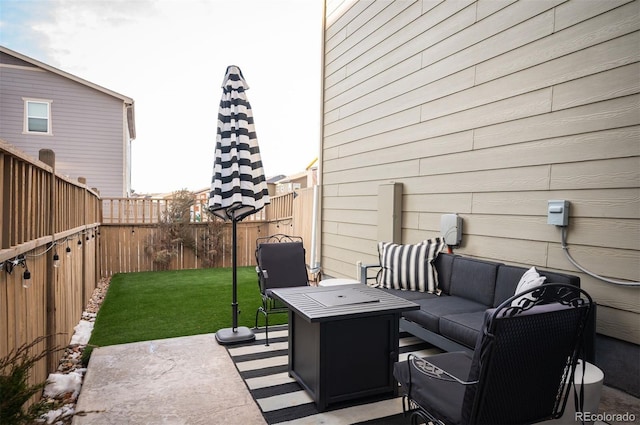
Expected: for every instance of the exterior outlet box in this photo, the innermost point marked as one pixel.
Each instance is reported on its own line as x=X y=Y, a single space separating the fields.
x=451 y=229
x=558 y=213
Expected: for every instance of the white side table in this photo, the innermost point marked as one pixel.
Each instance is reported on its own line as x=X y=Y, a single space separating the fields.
x=336 y=282
x=593 y=381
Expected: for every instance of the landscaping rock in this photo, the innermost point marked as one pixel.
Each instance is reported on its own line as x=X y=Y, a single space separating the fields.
x=64 y=386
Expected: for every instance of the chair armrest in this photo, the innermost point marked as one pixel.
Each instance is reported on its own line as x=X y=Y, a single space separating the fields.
x=433 y=371
x=364 y=269
x=262 y=277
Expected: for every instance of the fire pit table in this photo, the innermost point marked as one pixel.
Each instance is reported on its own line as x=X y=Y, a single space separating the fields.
x=343 y=340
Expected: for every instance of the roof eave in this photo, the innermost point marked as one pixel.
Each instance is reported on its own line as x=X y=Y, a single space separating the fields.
x=75 y=78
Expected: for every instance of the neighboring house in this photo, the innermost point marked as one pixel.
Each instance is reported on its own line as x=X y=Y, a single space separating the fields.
x=489 y=109
x=301 y=180
x=89 y=127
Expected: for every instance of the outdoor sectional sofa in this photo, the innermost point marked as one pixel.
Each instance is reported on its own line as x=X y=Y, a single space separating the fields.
x=451 y=316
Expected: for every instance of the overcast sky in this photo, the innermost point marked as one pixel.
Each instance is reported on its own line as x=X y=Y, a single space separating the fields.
x=170 y=56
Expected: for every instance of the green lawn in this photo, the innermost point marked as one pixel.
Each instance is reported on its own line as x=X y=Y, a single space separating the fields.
x=154 y=305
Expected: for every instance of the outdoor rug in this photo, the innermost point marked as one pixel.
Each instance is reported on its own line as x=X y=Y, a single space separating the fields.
x=283 y=401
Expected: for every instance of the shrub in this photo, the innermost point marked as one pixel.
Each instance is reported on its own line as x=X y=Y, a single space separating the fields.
x=175 y=231
x=15 y=390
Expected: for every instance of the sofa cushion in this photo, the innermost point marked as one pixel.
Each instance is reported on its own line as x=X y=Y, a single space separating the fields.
x=444 y=264
x=474 y=279
x=433 y=308
x=463 y=328
x=409 y=295
x=509 y=276
x=409 y=266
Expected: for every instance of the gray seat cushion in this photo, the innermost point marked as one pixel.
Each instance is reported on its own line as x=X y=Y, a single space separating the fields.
x=463 y=328
x=474 y=280
x=409 y=295
x=432 y=309
x=444 y=400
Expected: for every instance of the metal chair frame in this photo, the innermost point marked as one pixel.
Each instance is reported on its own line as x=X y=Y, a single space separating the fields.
x=271 y=305
x=564 y=294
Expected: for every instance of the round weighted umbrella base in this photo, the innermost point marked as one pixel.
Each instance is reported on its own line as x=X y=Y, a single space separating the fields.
x=234 y=336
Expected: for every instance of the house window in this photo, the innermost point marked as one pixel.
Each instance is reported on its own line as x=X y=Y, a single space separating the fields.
x=37 y=116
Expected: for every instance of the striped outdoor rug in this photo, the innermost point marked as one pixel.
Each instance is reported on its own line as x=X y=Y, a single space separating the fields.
x=282 y=400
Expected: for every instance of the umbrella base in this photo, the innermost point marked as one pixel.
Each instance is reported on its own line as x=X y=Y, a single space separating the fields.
x=234 y=336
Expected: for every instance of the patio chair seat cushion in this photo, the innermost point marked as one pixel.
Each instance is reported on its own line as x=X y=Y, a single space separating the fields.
x=442 y=397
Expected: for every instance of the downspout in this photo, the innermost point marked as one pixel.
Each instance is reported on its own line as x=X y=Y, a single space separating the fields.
x=129 y=134
x=316 y=224
x=315 y=264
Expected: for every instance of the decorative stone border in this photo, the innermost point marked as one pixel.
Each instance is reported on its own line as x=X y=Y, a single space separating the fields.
x=65 y=384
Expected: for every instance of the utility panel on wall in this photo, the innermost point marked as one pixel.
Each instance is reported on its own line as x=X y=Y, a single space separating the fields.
x=558 y=212
x=451 y=229
x=390 y=212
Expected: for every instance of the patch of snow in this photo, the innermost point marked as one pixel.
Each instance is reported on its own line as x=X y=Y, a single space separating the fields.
x=82 y=332
x=53 y=416
x=63 y=390
x=58 y=383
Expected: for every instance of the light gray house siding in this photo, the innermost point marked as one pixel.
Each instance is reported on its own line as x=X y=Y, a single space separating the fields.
x=489 y=109
x=89 y=129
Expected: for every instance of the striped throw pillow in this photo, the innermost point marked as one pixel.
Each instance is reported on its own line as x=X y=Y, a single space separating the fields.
x=409 y=267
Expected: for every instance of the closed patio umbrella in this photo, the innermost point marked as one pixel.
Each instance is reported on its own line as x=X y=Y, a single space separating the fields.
x=238 y=186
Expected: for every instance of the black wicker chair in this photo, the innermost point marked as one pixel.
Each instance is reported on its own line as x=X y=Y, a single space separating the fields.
x=281 y=264
x=521 y=370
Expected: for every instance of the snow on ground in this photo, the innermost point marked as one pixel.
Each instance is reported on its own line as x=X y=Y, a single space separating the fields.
x=59 y=383
x=82 y=333
x=64 y=386
x=55 y=416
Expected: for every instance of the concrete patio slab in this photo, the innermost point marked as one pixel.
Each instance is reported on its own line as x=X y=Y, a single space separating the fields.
x=186 y=380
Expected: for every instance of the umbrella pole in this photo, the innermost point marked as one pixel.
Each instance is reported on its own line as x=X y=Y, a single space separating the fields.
x=234 y=275
x=234 y=334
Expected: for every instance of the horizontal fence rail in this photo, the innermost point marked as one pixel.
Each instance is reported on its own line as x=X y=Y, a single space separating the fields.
x=153 y=210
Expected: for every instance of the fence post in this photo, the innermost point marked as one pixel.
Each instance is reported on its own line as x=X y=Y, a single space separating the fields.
x=85 y=242
x=98 y=262
x=49 y=157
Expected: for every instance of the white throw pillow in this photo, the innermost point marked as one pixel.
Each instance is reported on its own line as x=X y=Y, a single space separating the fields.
x=530 y=279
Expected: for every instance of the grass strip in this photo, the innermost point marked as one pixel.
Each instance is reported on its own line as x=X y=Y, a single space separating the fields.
x=166 y=304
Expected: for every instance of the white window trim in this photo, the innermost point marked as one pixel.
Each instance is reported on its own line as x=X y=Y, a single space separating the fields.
x=25 y=126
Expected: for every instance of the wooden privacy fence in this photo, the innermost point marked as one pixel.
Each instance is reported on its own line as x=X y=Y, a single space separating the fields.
x=43 y=215
x=131 y=227
x=53 y=231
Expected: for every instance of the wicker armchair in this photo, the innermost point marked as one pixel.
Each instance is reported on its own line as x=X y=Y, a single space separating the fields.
x=521 y=369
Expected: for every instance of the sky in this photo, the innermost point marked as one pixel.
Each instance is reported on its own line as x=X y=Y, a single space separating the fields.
x=170 y=56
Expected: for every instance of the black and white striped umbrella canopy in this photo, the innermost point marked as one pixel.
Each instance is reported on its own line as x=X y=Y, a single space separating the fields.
x=238 y=187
